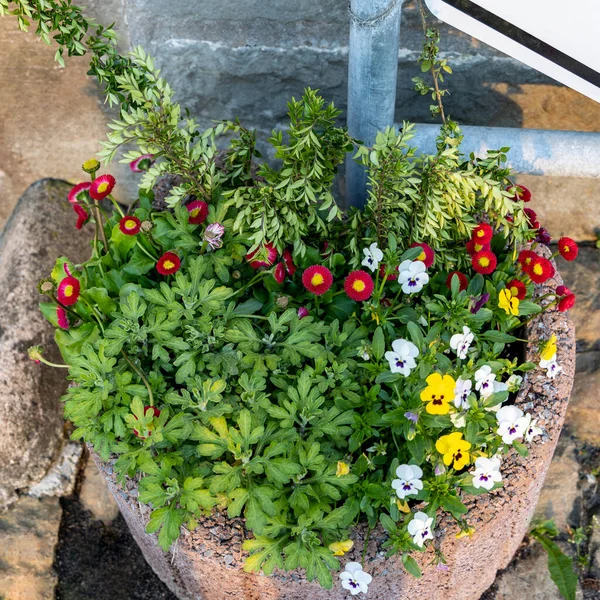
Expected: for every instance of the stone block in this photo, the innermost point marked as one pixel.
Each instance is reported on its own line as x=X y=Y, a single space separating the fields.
x=95 y=496
x=40 y=229
x=28 y=536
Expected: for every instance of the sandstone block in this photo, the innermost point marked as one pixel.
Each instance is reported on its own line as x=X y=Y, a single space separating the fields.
x=40 y=229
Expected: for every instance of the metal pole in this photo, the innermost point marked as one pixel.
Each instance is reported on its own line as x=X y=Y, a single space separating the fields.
x=372 y=73
x=532 y=151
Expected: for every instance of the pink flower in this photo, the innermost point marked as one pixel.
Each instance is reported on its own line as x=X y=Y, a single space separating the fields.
x=61 y=316
x=214 y=234
x=302 y=312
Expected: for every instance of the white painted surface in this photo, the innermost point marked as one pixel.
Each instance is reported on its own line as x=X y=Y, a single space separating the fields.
x=572 y=27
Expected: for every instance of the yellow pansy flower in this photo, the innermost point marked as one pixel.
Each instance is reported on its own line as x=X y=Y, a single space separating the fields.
x=508 y=302
x=402 y=506
x=465 y=532
x=454 y=450
x=549 y=350
x=342 y=469
x=340 y=548
x=438 y=394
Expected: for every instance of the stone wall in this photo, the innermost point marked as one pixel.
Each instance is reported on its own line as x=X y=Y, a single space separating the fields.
x=229 y=58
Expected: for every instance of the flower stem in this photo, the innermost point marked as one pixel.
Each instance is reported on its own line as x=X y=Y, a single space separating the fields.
x=51 y=364
x=141 y=375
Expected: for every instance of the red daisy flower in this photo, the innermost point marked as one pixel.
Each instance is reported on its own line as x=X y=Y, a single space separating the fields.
x=427 y=256
x=68 y=291
x=525 y=259
x=517 y=289
x=80 y=192
x=147 y=409
x=563 y=290
x=484 y=262
x=359 y=285
x=317 y=279
x=290 y=267
x=482 y=234
x=391 y=276
x=531 y=218
x=82 y=216
x=521 y=193
x=61 y=316
x=279 y=273
x=568 y=248
x=102 y=186
x=267 y=255
x=463 y=280
x=142 y=163
x=198 y=212
x=129 y=225
x=474 y=246
x=168 y=263
x=566 y=303
x=540 y=270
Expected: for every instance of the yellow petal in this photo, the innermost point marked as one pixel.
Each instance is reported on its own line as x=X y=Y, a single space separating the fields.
x=342 y=469
x=465 y=532
x=340 y=548
x=402 y=506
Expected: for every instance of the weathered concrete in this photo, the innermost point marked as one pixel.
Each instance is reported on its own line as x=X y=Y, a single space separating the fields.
x=28 y=536
x=95 y=496
x=206 y=564
x=40 y=230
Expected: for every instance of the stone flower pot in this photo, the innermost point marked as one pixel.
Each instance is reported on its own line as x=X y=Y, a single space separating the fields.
x=207 y=564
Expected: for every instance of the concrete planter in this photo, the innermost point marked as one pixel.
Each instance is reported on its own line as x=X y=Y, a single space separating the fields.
x=206 y=564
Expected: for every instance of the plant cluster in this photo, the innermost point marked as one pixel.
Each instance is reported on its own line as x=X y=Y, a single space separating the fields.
x=254 y=350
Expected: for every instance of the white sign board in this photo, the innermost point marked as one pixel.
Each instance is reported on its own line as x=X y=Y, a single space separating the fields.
x=558 y=38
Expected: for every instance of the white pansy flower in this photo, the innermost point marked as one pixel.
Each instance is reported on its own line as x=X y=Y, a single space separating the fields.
x=551 y=366
x=402 y=357
x=514 y=383
x=484 y=381
x=532 y=431
x=461 y=342
x=486 y=473
x=373 y=256
x=412 y=276
x=461 y=393
x=421 y=528
x=355 y=579
x=512 y=423
x=409 y=481
x=458 y=420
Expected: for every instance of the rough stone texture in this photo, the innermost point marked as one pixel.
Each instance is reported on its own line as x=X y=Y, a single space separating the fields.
x=206 y=564
x=32 y=424
x=28 y=535
x=95 y=496
x=61 y=478
x=560 y=492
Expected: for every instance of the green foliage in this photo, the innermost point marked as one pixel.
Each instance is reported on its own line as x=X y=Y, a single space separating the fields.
x=211 y=387
x=560 y=565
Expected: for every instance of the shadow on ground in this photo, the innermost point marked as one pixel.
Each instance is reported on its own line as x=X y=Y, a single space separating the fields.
x=98 y=561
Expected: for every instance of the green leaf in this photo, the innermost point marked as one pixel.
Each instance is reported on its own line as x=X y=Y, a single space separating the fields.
x=561 y=568
x=498 y=336
x=378 y=345
x=139 y=263
x=411 y=565
x=100 y=296
x=415 y=334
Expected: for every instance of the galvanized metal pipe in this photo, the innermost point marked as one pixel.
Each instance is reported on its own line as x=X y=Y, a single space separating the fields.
x=532 y=151
x=372 y=73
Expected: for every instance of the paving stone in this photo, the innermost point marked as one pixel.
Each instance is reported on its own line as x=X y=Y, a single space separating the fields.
x=583 y=415
x=560 y=494
x=28 y=536
x=529 y=578
x=95 y=496
x=40 y=229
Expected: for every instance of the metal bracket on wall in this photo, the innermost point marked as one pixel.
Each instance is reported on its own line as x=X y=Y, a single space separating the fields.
x=372 y=74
